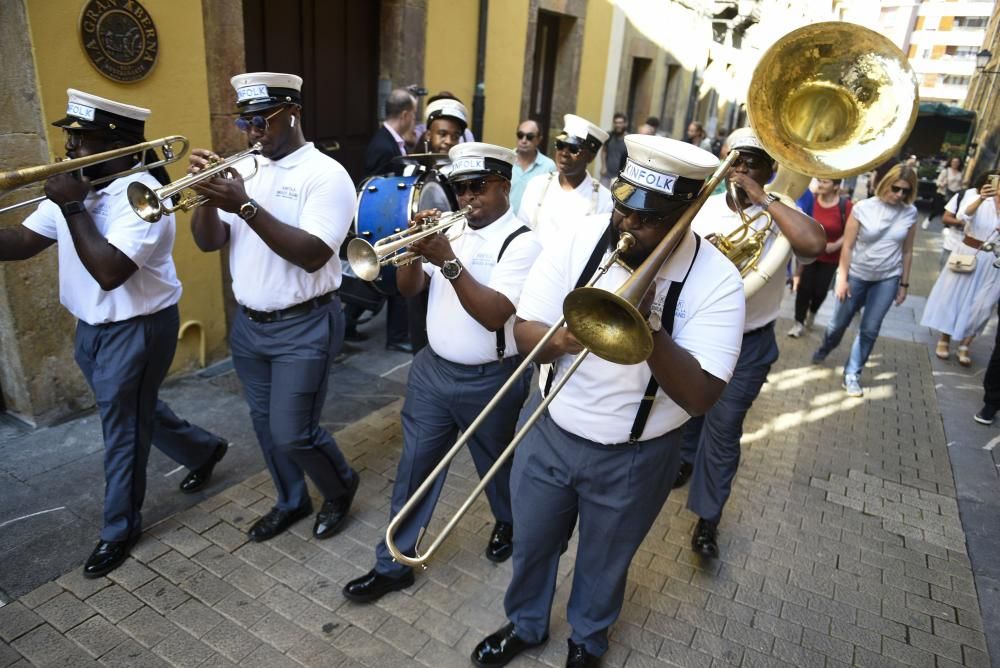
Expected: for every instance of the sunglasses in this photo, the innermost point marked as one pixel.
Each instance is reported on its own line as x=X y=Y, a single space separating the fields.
x=898 y=189
x=475 y=187
x=530 y=136
x=751 y=162
x=564 y=146
x=260 y=123
x=645 y=218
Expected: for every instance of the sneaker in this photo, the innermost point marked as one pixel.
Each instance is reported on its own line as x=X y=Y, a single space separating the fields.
x=853 y=386
x=818 y=357
x=986 y=414
x=810 y=318
x=796 y=330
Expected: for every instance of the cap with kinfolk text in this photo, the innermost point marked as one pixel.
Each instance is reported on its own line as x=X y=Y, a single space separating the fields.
x=661 y=174
x=447 y=108
x=85 y=111
x=581 y=132
x=256 y=91
x=745 y=139
x=475 y=159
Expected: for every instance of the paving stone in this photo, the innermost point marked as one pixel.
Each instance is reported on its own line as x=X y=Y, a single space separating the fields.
x=242 y=609
x=959 y=634
x=181 y=649
x=278 y=632
x=9 y=655
x=207 y=588
x=174 y=566
x=185 y=541
x=97 y=636
x=217 y=561
x=80 y=586
x=147 y=626
x=197 y=519
x=403 y=636
x=231 y=641
x=65 y=611
x=160 y=595
x=906 y=654
x=131 y=654
x=44 y=646
x=267 y=657
x=195 y=617
x=717 y=647
x=148 y=548
x=114 y=603
x=226 y=536
x=16 y=620
x=250 y=580
x=938 y=645
x=35 y=598
x=131 y=575
x=292 y=573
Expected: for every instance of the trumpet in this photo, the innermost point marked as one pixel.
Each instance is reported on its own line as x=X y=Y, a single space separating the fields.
x=22 y=178
x=367 y=260
x=607 y=323
x=151 y=204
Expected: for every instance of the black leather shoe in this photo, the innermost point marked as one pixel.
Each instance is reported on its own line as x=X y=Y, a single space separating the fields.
x=500 y=648
x=683 y=473
x=277 y=521
x=372 y=586
x=107 y=556
x=330 y=518
x=579 y=657
x=402 y=347
x=199 y=477
x=501 y=544
x=703 y=541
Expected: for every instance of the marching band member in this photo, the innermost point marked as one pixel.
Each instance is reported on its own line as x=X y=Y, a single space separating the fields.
x=475 y=283
x=602 y=451
x=446 y=120
x=116 y=276
x=284 y=227
x=712 y=441
x=550 y=200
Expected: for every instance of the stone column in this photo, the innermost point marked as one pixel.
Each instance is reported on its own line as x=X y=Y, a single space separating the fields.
x=39 y=379
x=402 y=44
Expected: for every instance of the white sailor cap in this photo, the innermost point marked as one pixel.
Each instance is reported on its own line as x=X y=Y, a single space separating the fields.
x=578 y=130
x=660 y=173
x=475 y=159
x=447 y=108
x=745 y=139
x=262 y=90
x=91 y=112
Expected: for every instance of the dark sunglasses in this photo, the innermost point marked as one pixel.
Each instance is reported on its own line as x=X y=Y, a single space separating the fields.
x=530 y=136
x=898 y=189
x=260 y=123
x=474 y=186
x=645 y=218
x=751 y=161
x=564 y=146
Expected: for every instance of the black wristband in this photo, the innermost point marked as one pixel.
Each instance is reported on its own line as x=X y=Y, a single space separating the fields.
x=71 y=209
x=904 y=285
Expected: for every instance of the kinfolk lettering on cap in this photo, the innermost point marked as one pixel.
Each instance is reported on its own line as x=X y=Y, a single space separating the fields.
x=649 y=178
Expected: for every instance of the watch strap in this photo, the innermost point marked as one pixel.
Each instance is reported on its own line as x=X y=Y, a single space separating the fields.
x=72 y=208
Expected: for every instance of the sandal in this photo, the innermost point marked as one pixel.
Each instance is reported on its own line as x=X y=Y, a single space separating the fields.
x=963 y=356
x=942 y=350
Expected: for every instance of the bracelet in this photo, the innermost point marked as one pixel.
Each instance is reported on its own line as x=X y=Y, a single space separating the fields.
x=904 y=285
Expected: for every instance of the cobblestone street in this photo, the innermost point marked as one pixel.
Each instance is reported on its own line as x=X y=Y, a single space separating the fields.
x=842 y=545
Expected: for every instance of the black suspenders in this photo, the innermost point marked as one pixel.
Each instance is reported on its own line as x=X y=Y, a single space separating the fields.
x=501 y=335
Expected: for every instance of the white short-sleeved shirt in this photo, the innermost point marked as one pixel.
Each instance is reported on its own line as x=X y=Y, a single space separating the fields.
x=716 y=217
x=951 y=236
x=305 y=189
x=548 y=209
x=600 y=400
x=153 y=287
x=882 y=228
x=451 y=332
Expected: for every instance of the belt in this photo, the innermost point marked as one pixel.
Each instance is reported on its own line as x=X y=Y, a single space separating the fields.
x=972 y=242
x=762 y=328
x=290 y=312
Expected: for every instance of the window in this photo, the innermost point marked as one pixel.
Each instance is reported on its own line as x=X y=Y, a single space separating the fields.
x=955 y=80
x=971 y=22
x=961 y=52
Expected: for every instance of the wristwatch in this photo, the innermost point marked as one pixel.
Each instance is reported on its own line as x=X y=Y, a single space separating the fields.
x=71 y=209
x=769 y=200
x=248 y=210
x=451 y=269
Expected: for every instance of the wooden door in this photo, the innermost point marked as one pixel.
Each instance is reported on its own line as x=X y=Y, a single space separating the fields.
x=333 y=46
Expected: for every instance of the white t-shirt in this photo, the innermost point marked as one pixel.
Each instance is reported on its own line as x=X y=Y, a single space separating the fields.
x=951 y=236
x=600 y=400
x=716 y=217
x=882 y=228
x=305 y=189
x=451 y=332
x=550 y=210
x=153 y=287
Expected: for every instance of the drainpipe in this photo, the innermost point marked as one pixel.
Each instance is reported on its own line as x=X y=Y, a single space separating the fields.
x=479 y=97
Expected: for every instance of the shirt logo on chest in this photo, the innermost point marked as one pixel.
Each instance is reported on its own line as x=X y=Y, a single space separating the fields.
x=287 y=192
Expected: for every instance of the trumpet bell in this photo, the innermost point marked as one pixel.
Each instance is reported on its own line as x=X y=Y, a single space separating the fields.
x=832 y=99
x=363 y=259
x=144 y=202
x=609 y=325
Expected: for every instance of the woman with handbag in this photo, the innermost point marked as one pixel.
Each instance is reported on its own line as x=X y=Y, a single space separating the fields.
x=963 y=297
x=874 y=268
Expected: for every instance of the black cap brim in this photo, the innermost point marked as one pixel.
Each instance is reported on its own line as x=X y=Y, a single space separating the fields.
x=647 y=201
x=74 y=123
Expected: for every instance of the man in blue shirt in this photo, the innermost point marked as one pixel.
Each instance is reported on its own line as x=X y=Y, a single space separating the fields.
x=530 y=161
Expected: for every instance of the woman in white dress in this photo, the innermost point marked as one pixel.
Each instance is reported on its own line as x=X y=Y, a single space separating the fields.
x=960 y=304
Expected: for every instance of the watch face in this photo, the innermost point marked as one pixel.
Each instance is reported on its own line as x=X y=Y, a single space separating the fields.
x=451 y=269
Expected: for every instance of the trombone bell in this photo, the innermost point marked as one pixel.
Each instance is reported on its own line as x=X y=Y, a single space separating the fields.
x=611 y=326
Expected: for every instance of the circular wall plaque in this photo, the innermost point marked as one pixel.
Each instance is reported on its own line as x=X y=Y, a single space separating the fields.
x=119 y=39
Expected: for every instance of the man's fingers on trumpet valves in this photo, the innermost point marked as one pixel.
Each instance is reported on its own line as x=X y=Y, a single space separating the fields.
x=200 y=158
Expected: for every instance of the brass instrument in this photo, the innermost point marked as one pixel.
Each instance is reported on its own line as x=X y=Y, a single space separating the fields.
x=606 y=323
x=367 y=260
x=151 y=204
x=827 y=100
x=21 y=178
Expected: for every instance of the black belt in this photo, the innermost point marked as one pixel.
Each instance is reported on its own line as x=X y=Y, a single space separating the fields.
x=760 y=329
x=290 y=312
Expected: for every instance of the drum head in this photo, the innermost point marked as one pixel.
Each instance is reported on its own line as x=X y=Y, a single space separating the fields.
x=433 y=196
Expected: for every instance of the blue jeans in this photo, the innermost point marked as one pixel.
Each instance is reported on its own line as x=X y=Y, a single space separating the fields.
x=875 y=297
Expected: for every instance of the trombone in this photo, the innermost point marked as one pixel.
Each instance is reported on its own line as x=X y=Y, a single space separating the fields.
x=21 y=178
x=367 y=260
x=150 y=204
x=607 y=323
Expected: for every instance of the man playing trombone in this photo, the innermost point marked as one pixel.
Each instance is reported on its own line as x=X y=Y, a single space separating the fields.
x=116 y=276
x=609 y=443
x=474 y=282
x=284 y=227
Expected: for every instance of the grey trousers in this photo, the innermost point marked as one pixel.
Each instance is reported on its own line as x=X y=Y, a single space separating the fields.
x=442 y=398
x=712 y=440
x=617 y=491
x=283 y=367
